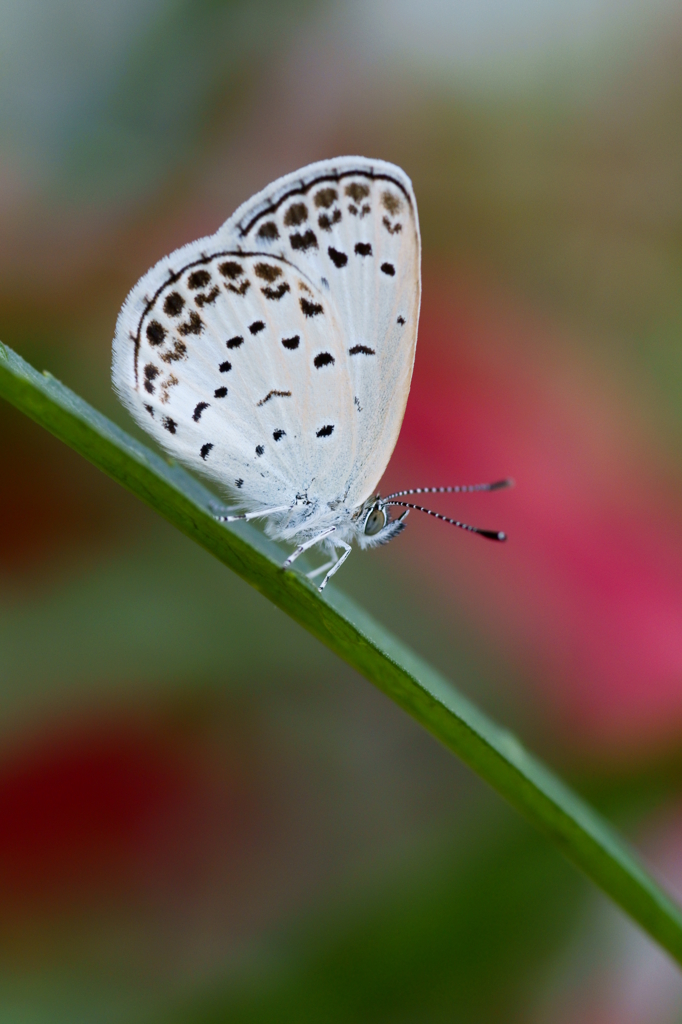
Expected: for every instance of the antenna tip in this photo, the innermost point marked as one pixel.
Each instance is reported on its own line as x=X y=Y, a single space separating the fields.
x=493 y=534
x=500 y=484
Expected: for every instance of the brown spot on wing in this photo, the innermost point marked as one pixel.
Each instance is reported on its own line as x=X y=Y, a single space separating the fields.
x=268 y=231
x=276 y=293
x=179 y=351
x=267 y=272
x=325 y=222
x=325 y=198
x=207 y=300
x=198 y=279
x=151 y=372
x=356 y=191
x=170 y=382
x=194 y=325
x=295 y=215
x=231 y=269
x=391 y=202
x=241 y=290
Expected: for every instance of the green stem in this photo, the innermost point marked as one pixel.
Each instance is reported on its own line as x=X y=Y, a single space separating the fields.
x=494 y=753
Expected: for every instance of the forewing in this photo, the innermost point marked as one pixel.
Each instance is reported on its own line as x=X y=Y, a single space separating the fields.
x=351 y=226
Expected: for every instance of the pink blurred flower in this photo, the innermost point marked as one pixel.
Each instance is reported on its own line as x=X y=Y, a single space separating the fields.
x=587 y=593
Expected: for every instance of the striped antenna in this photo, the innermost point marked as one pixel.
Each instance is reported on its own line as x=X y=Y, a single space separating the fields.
x=463 y=489
x=490 y=534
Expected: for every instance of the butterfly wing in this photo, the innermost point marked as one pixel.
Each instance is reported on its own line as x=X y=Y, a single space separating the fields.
x=351 y=225
x=276 y=356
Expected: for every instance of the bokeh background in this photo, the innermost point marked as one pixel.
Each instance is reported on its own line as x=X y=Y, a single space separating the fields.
x=204 y=816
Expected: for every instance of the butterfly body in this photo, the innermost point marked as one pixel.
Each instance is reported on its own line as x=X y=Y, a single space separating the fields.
x=275 y=356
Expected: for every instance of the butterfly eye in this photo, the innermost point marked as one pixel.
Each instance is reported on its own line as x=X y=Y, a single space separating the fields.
x=375 y=522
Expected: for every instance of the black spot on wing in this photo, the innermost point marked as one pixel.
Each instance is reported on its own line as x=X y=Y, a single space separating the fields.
x=209 y=298
x=325 y=222
x=151 y=372
x=267 y=272
x=268 y=231
x=242 y=289
x=388 y=268
x=325 y=198
x=278 y=434
x=291 y=343
x=220 y=393
x=274 y=394
x=256 y=327
x=150 y=410
x=225 y=367
x=303 y=242
x=361 y=350
x=235 y=342
x=339 y=259
x=260 y=450
x=325 y=431
x=194 y=325
x=198 y=409
x=198 y=279
x=275 y=293
x=238 y=483
x=169 y=424
x=231 y=269
x=401 y=320
x=179 y=351
x=310 y=308
x=155 y=333
x=295 y=215
x=363 y=249
x=173 y=304
x=205 y=449
x=323 y=359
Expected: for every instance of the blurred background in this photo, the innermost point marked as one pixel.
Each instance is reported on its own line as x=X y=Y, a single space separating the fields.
x=204 y=816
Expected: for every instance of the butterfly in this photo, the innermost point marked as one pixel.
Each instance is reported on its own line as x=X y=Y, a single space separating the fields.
x=275 y=356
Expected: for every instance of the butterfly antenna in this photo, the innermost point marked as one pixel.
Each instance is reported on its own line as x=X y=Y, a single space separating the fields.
x=498 y=485
x=490 y=534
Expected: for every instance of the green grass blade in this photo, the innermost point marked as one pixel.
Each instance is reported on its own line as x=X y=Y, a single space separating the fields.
x=494 y=753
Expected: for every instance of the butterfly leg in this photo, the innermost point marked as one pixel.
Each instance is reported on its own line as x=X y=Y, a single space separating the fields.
x=308 y=544
x=254 y=515
x=321 y=568
x=338 y=564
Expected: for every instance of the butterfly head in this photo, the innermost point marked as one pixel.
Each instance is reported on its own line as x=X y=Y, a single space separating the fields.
x=375 y=525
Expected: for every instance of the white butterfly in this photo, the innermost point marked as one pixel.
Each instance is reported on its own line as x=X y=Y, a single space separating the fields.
x=276 y=355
